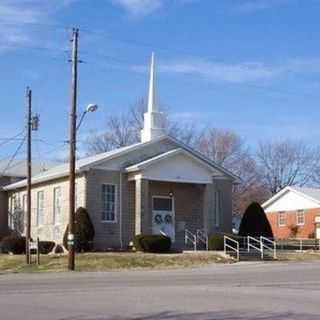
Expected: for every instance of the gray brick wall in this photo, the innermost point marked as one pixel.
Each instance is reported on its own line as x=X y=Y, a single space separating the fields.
x=107 y=234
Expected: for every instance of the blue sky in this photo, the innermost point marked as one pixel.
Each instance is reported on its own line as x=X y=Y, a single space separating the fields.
x=249 y=65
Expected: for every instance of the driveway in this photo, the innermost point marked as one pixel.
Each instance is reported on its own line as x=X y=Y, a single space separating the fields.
x=248 y=291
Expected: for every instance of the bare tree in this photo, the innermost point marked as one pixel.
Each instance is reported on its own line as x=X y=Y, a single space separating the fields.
x=286 y=163
x=229 y=150
x=119 y=133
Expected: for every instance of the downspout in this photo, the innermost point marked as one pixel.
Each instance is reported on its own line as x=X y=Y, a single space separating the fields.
x=120 y=210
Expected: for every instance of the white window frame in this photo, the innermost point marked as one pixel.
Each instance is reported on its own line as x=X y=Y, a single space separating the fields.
x=25 y=209
x=297 y=217
x=40 y=210
x=217 y=208
x=76 y=196
x=103 y=201
x=55 y=207
x=280 y=224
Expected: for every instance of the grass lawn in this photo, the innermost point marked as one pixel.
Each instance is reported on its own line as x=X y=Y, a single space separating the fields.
x=110 y=261
x=298 y=256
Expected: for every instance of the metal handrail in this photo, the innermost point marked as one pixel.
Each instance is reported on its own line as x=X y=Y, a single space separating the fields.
x=250 y=245
x=189 y=236
x=203 y=237
x=226 y=245
x=264 y=246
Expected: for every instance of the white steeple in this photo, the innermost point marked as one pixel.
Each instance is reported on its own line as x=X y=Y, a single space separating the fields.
x=153 y=119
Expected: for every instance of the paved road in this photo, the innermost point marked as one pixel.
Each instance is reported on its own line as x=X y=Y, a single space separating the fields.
x=244 y=291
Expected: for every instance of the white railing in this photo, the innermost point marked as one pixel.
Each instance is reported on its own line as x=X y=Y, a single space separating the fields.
x=190 y=237
x=272 y=248
x=254 y=246
x=202 y=237
x=298 y=244
x=234 y=247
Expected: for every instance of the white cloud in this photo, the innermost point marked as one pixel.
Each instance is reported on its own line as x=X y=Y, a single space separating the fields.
x=238 y=72
x=16 y=16
x=139 y=7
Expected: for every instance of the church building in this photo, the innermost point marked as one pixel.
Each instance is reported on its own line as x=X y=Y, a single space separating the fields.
x=156 y=186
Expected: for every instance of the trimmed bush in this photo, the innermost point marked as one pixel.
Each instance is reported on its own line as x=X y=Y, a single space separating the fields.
x=13 y=244
x=83 y=231
x=152 y=243
x=215 y=242
x=254 y=222
x=46 y=247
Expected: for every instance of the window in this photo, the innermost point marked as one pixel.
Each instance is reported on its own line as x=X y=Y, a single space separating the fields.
x=109 y=203
x=217 y=208
x=40 y=207
x=162 y=204
x=281 y=219
x=57 y=210
x=76 y=198
x=24 y=204
x=300 y=217
x=24 y=209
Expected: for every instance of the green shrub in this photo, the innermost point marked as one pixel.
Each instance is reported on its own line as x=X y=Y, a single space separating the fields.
x=83 y=231
x=255 y=223
x=152 y=243
x=13 y=244
x=216 y=242
x=46 y=247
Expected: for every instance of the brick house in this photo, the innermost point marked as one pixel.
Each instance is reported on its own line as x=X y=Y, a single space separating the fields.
x=294 y=212
x=157 y=186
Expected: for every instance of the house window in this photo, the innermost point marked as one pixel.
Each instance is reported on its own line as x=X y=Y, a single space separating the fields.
x=18 y=215
x=281 y=219
x=108 y=203
x=40 y=207
x=76 y=196
x=24 y=209
x=57 y=209
x=300 y=217
x=217 y=208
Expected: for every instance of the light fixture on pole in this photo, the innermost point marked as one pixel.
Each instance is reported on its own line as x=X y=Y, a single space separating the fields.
x=90 y=108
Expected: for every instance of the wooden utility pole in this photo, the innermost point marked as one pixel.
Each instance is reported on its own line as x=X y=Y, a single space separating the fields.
x=29 y=128
x=72 y=141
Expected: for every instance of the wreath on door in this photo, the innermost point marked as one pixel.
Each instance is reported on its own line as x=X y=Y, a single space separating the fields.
x=168 y=219
x=158 y=219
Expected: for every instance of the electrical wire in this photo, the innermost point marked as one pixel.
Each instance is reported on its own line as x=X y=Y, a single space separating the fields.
x=14 y=138
x=13 y=156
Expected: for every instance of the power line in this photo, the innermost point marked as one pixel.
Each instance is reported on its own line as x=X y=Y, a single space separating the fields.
x=13 y=156
x=7 y=140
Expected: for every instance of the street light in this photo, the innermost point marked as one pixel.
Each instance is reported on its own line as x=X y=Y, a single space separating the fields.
x=90 y=108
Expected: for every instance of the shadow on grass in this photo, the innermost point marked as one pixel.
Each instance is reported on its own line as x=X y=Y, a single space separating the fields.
x=232 y=315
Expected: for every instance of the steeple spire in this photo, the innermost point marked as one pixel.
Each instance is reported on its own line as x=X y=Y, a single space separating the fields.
x=153 y=119
x=152 y=92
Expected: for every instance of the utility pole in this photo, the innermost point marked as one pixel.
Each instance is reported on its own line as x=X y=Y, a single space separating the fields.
x=72 y=141
x=29 y=128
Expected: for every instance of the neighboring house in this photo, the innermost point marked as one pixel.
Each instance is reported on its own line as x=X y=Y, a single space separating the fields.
x=11 y=172
x=294 y=212
x=157 y=186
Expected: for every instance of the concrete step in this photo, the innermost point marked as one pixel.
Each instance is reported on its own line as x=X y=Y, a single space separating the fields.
x=244 y=255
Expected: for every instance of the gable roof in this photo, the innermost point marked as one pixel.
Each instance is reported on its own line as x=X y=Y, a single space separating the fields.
x=146 y=163
x=312 y=194
x=85 y=164
x=18 y=168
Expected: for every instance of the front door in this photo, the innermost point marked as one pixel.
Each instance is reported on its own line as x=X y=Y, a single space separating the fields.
x=163 y=216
